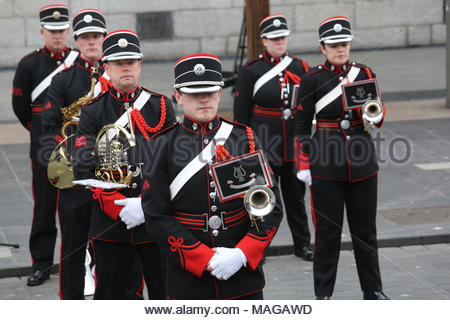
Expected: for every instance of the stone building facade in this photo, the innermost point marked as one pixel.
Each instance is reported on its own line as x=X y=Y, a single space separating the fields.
x=171 y=29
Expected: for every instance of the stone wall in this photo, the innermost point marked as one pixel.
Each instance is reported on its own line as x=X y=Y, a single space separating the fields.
x=213 y=25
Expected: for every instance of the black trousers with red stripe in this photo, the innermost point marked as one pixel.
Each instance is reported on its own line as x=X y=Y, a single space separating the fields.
x=360 y=200
x=43 y=227
x=293 y=193
x=74 y=217
x=114 y=263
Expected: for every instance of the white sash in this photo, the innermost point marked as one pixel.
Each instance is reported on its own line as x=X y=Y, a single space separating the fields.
x=138 y=104
x=68 y=62
x=123 y=119
x=271 y=73
x=337 y=91
x=200 y=160
x=98 y=85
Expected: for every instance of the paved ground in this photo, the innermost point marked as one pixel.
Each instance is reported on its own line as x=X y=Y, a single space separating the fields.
x=409 y=273
x=414 y=193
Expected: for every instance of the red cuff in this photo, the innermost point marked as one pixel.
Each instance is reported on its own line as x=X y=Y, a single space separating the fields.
x=301 y=158
x=254 y=247
x=106 y=201
x=58 y=138
x=193 y=258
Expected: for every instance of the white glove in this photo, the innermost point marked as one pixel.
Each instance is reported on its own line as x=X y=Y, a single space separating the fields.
x=131 y=214
x=305 y=176
x=375 y=120
x=226 y=262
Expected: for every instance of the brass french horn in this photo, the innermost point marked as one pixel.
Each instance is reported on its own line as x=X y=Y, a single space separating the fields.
x=60 y=165
x=112 y=147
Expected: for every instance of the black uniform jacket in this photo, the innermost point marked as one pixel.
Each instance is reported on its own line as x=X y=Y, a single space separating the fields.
x=31 y=70
x=179 y=225
x=333 y=153
x=106 y=109
x=66 y=87
x=263 y=112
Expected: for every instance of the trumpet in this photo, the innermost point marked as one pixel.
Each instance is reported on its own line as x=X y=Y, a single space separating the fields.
x=259 y=201
x=60 y=165
x=372 y=110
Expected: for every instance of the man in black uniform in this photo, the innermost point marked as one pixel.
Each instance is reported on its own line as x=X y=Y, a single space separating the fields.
x=265 y=100
x=117 y=228
x=339 y=163
x=74 y=203
x=33 y=76
x=212 y=249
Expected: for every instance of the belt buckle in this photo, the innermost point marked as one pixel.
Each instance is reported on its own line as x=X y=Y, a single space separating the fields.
x=345 y=124
x=215 y=222
x=287 y=113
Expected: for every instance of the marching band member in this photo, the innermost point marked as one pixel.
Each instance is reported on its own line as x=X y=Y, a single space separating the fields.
x=339 y=163
x=264 y=98
x=74 y=205
x=212 y=248
x=33 y=76
x=117 y=230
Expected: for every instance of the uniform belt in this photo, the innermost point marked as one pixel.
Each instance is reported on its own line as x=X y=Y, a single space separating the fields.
x=223 y=219
x=333 y=124
x=269 y=112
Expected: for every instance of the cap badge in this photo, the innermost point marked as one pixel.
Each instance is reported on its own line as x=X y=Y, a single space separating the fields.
x=56 y=15
x=199 y=69
x=276 y=23
x=337 y=27
x=87 y=18
x=122 y=42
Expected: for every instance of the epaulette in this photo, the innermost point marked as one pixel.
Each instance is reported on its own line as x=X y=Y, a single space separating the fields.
x=359 y=65
x=295 y=58
x=155 y=93
x=313 y=71
x=303 y=63
x=367 y=70
x=260 y=57
x=165 y=130
x=31 y=54
x=233 y=122
x=96 y=98
x=66 y=69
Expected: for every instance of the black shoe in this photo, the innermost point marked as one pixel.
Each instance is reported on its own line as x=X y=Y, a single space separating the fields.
x=305 y=253
x=375 y=295
x=37 y=278
x=323 y=298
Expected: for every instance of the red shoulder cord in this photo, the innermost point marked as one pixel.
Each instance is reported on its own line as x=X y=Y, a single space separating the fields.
x=305 y=66
x=223 y=154
x=368 y=73
x=289 y=75
x=251 y=139
x=142 y=125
